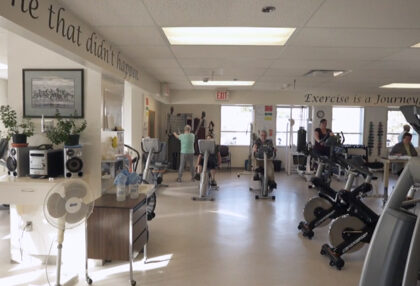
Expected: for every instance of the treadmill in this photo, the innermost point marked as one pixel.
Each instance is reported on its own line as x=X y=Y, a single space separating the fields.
x=393 y=257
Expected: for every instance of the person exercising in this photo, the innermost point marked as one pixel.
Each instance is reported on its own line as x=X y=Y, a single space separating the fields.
x=321 y=133
x=259 y=164
x=214 y=160
x=187 y=151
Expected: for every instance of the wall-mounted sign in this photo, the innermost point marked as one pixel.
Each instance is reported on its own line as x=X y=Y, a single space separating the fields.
x=361 y=100
x=222 y=95
x=268 y=112
x=52 y=21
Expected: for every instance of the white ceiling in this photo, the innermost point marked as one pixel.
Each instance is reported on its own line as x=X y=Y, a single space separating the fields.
x=370 y=38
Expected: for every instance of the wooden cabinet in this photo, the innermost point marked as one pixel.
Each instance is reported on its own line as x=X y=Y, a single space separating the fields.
x=117 y=230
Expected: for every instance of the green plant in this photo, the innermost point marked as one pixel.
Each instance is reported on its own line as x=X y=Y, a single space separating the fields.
x=64 y=128
x=8 y=117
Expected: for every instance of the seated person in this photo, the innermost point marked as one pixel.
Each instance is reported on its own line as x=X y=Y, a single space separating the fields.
x=320 y=135
x=259 y=164
x=404 y=148
x=214 y=160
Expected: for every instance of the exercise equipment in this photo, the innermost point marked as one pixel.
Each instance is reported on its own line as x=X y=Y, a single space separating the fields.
x=264 y=153
x=320 y=210
x=150 y=146
x=349 y=232
x=206 y=147
x=199 y=130
x=393 y=257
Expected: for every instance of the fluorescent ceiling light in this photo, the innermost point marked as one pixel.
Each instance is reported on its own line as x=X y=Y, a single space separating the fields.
x=3 y=66
x=247 y=36
x=416 y=45
x=222 y=83
x=401 y=85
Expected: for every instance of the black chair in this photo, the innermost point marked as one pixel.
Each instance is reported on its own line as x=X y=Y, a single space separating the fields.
x=226 y=156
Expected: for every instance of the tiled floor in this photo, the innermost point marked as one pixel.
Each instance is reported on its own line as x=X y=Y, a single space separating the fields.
x=234 y=240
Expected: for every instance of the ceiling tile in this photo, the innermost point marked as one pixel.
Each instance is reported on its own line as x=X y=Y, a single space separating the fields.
x=110 y=12
x=129 y=35
x=345 y=37
x=227 y=52
x=139 y=53
x=367 y=14
x=327 y=53
x=182 y=13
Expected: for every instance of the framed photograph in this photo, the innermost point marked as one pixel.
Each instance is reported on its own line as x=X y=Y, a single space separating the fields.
x=48 y=91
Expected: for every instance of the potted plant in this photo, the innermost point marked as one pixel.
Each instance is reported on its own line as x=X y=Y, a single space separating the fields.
x=19 y=132
x=66 y=131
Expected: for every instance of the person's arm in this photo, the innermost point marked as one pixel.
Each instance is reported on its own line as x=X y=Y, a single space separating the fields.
x=219 y=159
x=176 y=135
x=254 y=148
x=316 y=136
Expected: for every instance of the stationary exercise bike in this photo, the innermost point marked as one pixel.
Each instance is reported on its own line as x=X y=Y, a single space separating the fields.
x=205 y=147
x=150 y=146
x=320 y=210
x=264 y=153
x=349 y=232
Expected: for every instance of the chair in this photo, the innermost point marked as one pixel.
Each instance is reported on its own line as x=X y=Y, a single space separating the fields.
x=226 y=155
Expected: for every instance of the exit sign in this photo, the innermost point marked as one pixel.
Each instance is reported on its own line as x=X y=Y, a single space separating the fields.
x=222 y=95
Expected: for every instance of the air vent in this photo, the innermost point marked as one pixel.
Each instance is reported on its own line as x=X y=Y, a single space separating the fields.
x=326 y=73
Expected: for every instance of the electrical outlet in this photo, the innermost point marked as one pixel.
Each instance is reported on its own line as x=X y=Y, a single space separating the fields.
x=28 y=226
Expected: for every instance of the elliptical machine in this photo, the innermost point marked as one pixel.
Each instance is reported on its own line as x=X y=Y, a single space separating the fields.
x=264 y=153
x=205 y=147
x=393 y=257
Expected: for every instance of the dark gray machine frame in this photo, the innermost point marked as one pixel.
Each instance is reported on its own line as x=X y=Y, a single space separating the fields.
x=393 y=257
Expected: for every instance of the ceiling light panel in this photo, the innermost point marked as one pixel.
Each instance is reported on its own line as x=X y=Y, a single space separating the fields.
x=222 y=83
x=401 y=85
x=241 y=36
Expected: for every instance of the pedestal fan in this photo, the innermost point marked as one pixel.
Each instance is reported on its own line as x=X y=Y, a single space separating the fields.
x=67 y=205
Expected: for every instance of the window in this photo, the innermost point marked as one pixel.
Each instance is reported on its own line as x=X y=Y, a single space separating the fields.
x=298 y=113
x=235 y=127
x=348 y=120
x=396 y=121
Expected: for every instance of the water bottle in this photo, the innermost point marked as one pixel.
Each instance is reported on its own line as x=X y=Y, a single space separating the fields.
x=134 y=191
x=121 y=193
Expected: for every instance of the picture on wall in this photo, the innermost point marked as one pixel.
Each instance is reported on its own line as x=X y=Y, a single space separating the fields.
x=46 y=92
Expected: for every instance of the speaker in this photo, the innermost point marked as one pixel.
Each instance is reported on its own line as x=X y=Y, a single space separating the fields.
x=73 y=162
x=18 y=161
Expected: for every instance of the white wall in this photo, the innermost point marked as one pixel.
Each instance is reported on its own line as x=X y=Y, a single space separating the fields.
x=153 y=105
x=25 y=54
x=133 y=115
x=3 y=91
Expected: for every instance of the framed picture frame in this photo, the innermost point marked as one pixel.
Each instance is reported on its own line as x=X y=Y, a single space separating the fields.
x=48 y=91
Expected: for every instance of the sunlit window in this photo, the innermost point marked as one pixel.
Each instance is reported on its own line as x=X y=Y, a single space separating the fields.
x=300 y=116
x=348 y=120
x=235 y=127
x=396 y=121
